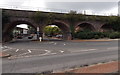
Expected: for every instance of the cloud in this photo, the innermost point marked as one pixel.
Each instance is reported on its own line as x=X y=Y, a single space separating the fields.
x=52 y=5
x=34 y=3
x=11 y=2
x=81 y=6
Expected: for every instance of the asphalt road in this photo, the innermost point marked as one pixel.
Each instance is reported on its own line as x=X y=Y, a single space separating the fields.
x=33 y=57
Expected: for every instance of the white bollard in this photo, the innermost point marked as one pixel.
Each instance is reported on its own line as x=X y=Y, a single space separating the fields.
x=40 y=38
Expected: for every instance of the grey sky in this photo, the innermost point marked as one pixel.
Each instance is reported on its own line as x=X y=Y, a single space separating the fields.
x=79 y=6
x=93 y=7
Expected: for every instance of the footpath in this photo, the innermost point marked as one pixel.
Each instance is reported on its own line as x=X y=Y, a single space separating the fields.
x=109 y=67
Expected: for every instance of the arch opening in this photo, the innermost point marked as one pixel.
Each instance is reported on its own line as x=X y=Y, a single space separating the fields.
x=106 y=28
x=61 y=31
x=84 y=27
x=19 y=30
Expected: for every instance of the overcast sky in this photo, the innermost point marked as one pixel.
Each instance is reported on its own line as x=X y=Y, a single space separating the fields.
x=92 y=7
x=98 y=7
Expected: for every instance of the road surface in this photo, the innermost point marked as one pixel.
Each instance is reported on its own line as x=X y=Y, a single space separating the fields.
x=36 y=57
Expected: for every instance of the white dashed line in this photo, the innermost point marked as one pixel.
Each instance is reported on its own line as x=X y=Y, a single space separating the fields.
x=29 y=51
x=61 y=51
x=55 y=43
x=47 y=51
x=17 y=50
x=88 y=50
x=92 y=49
x=64 y=44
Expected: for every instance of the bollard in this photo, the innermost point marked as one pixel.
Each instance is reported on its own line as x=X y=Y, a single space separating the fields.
x=40 y=38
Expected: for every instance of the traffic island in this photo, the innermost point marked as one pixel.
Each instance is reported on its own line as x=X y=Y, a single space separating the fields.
x=4 y=55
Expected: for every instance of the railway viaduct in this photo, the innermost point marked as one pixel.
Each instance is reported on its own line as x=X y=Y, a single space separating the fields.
x=17 y=17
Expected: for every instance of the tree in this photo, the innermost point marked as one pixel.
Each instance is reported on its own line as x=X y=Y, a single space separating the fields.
x=115 y=23
x=49 y=30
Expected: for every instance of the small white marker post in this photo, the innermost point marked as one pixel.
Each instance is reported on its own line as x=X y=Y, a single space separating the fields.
x=40 y=38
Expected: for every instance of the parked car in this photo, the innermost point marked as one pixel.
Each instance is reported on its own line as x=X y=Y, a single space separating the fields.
x=59 y=36
x=19 y=37
x=30 y=37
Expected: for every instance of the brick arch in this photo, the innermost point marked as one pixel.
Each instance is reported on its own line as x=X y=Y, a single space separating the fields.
x=12 y=25
x=64 y=27
x=85 y=25
x=19 y=21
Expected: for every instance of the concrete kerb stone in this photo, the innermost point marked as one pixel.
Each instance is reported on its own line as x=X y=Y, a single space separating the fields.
x=4 y=55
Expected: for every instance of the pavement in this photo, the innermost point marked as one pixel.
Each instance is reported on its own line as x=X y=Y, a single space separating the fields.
x=109 y=67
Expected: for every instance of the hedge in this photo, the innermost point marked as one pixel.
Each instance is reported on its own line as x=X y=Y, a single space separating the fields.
x=96 y=35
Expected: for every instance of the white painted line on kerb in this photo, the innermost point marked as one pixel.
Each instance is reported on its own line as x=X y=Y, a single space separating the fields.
x=17 y=50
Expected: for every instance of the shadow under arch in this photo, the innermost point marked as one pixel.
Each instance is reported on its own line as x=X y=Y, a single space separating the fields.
x=106 y=28
x=64 y=28
x=84 y=26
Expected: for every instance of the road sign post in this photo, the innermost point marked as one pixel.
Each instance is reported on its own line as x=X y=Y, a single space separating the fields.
x=38 y=33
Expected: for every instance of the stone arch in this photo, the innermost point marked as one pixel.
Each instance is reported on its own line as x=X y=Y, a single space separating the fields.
x=106 y=28
x=11 y=26
x=64 y=27
x=84 y=26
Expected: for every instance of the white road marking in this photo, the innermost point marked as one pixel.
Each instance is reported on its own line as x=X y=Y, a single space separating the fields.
x=64 y=44
x=2 y=47
x=29 y=51
x=88 y=50
x=7 y=49
x=55 y=43
x=17 y=50
x=47 y=51
x=24 y=54
x=61 y=51
x=92 y=49
x=30 y=56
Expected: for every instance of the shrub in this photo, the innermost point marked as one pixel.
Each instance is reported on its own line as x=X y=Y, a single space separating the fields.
x=114 y=35
x=96 y=37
